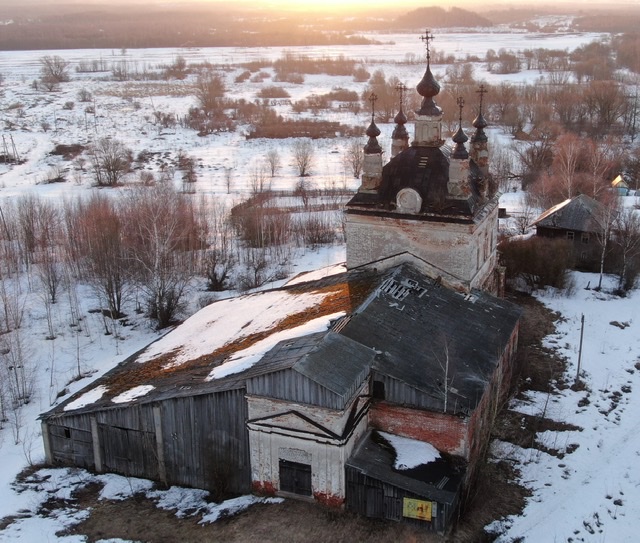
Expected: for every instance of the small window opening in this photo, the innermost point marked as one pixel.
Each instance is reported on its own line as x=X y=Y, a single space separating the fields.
x=378 y=390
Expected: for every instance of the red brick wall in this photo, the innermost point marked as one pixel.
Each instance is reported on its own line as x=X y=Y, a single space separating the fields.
x=445 y=432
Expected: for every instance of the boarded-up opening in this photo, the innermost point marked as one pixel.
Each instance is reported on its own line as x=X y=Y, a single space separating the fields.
x=295 y=478
x=128 y=451
x=378 y=390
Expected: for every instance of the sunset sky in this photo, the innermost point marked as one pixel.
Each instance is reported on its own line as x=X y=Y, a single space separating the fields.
x=336 y=6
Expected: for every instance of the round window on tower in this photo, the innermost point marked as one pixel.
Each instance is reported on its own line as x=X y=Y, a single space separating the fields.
x=408 y=201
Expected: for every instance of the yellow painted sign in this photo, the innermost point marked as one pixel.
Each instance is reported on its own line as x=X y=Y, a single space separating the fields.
x=418 y=509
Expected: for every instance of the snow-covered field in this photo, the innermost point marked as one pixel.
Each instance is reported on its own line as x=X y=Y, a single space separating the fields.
x=592 y=494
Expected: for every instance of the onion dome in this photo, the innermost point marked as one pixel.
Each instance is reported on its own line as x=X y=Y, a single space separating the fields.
x=479 y=123
x=428 y=88
x=400 y=132
x=460 y=138
x=372 y=145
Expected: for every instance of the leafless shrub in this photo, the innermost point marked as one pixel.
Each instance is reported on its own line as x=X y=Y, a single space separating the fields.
x=110 y=161
x=538 y=261
x=273 y=92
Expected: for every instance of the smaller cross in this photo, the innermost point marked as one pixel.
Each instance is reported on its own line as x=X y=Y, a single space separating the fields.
x=401 y=89
x=428 y=37
x=460 y=102
x=482 y=91
x=373 y=98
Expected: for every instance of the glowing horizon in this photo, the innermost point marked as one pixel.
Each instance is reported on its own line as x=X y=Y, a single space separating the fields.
x=334 y=6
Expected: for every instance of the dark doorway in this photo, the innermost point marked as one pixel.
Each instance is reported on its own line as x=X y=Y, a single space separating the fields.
x=378 y=390
x=295 y=477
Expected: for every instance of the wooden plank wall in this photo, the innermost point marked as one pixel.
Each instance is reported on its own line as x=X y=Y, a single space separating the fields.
x=204 y=439
x=206 y=442
x=376 y=499
x=70 y=441
x=293 y=386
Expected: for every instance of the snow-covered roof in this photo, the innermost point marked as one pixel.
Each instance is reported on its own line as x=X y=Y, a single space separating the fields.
x=213 y=348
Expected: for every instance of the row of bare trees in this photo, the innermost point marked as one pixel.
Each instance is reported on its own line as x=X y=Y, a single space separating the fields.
x=149 y=244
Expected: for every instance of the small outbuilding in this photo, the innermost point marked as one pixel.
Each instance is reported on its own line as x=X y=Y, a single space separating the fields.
x=577 y=221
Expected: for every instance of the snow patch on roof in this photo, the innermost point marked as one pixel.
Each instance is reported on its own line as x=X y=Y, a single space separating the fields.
x=246 y=358
x=551 y=211
x=226 y=321
x=133 y=393
x=321 y=273
x=87 y=398
x=411 y=453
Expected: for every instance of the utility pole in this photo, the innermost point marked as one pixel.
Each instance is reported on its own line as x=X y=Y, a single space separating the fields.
x=580 y=351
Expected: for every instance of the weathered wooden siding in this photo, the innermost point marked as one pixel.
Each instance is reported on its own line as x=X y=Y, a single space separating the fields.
x=291 y=385
x=400 y=393
x=206 y=442
x=70 y=441
x=376 y=499
x=199 y=441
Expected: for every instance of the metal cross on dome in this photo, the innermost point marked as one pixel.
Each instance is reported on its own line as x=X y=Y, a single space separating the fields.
x=373 y=98
x=428 y=37
x=401 y=89
x=460 y=102
x=482 y=91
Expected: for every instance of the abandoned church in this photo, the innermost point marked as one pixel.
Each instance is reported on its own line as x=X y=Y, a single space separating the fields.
x=372 y=388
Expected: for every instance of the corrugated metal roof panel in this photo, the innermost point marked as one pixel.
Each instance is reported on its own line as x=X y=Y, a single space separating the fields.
x=430 y=327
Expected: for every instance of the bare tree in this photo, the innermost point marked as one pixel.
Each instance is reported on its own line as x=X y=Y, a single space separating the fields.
x=228 y=178
x=567 y=153
x=105 y=257
x=219 y=260
x=385 y=90
x=627 y=238
x=303 y=156
x=273 y=161
x=110 y=161
x=605 y=217
x=209 y=91
x=258 y=180
x=17 y=374
x=535 y=158
x=256 y=268
x=602 y=159
x=162 y=235
x=525 y=216
x=54 y=69
x=501 y=165
x=354 y=157
x=606 y=102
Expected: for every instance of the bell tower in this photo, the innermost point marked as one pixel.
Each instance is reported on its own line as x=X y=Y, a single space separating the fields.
x=431 y=203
